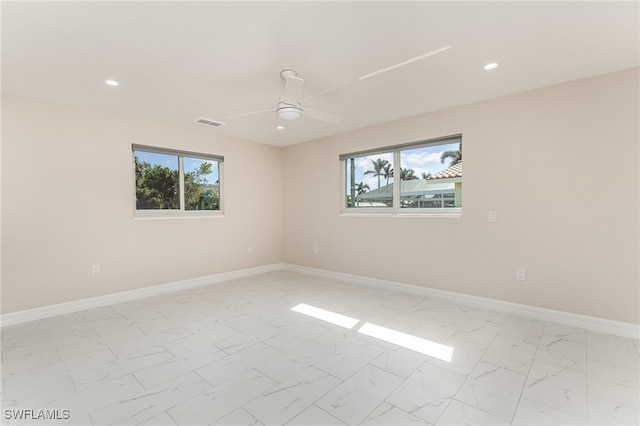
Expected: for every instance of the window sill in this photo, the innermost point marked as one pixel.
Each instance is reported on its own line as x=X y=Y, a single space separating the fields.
x=180 y=216
x=434 y=215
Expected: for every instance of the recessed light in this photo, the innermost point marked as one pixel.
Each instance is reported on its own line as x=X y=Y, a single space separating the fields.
x=280 y=127
x=491 y=66
x=111 y=82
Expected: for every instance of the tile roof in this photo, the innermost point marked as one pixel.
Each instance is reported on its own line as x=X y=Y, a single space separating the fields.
x=454 y=171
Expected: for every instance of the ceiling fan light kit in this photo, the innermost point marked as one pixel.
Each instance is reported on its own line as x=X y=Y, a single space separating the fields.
x=288 y=112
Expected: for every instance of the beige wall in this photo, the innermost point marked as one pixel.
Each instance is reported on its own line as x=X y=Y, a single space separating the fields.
x=67 y=204
x=559 y=165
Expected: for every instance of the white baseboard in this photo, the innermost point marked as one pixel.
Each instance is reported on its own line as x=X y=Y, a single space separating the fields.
x=600 y=325
x=20 y=317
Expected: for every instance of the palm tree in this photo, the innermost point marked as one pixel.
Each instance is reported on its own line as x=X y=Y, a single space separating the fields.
x=378 y=168
x=456 y=156
x=361 y=188
x=407 y=174
x=426 y=175
x=388 y=172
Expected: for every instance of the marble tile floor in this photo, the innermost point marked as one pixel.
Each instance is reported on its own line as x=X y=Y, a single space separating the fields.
x=236 y=353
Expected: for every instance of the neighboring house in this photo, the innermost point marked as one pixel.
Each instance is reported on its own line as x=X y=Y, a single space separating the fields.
x=444 y=189
x=214 y=187
x=451 y=175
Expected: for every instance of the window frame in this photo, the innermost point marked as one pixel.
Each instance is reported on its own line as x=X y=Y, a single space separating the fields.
x=182 y=212
x=395 y=210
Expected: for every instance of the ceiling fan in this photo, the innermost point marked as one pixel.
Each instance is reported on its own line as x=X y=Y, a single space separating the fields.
x=289 y=107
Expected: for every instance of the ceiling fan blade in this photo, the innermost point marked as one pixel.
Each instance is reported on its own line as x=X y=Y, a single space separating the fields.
x=321 y=115
x=407 y=62
x=293 y=87
x=337 y=86
x=250 y=113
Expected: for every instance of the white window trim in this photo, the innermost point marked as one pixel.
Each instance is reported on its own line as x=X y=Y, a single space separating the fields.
x=164 y=214
x=432 y=213
x=395 y=211
x=176 y=214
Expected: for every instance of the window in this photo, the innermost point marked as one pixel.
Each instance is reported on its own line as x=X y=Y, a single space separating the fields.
x=417 y=178
x=176 y=183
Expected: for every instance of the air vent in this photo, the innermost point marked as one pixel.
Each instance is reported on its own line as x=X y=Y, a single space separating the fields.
x=209 y=122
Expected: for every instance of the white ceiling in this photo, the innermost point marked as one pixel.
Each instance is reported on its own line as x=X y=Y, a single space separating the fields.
x=178 y=61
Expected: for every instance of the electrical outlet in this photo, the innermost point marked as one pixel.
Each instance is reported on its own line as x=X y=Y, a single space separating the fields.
x=493 y=216
x=250 y=250
x=316 y=250
x=521 y=274
x=95 y=269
